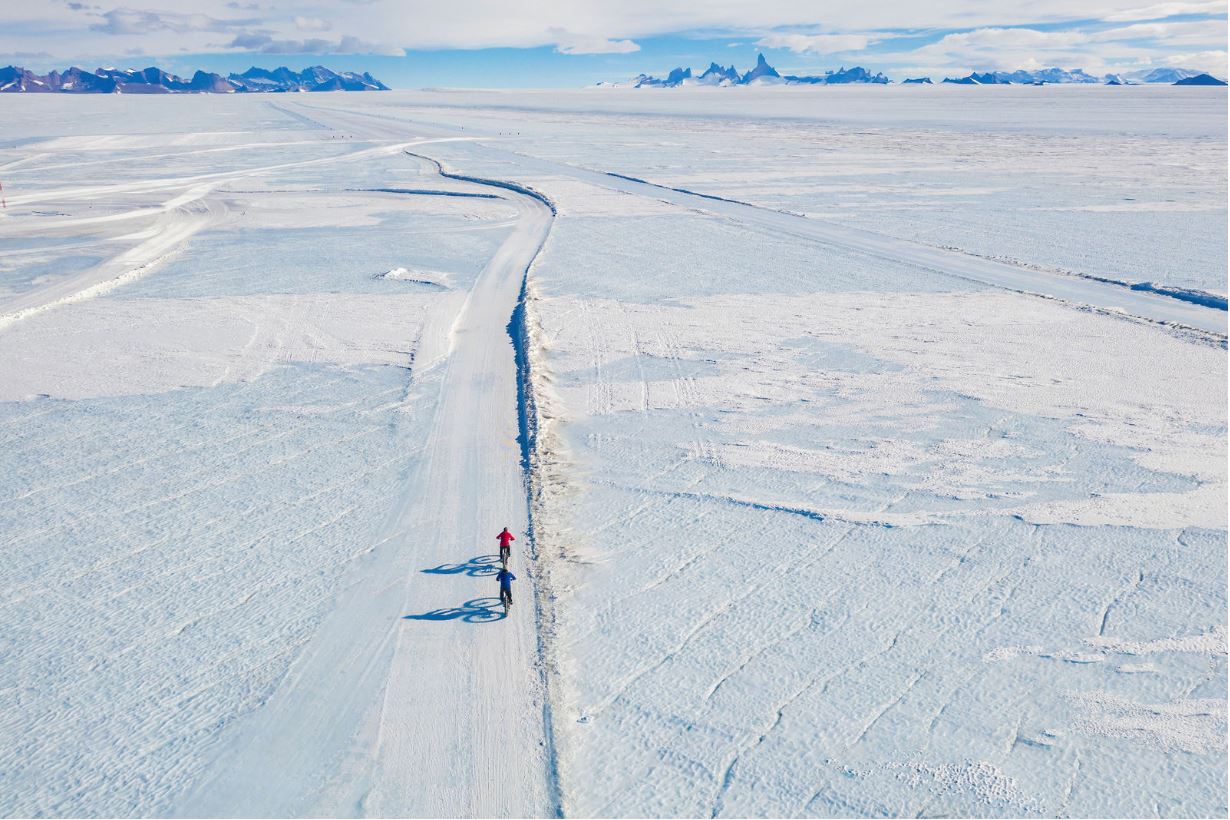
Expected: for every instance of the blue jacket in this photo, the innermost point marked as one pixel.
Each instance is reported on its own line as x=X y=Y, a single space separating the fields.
x=505 y=578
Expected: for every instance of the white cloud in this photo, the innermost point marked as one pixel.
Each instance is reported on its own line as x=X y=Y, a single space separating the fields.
x=1213 y=62
x=312 y=24
x=1160 y=10
x=1001 y=49
x=1116 y=49
x=1187 y=33
x=991 y=39
x=815 y=43
x=136 y=21
x=567 y=42
x=265 y=44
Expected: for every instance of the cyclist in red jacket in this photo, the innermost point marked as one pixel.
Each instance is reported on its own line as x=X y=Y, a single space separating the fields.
x=506 y=538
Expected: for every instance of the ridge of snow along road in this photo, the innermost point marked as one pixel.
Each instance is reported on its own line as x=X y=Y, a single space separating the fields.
x=538 y=459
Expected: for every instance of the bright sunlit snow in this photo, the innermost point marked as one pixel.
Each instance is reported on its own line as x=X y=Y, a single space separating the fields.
x=865 y=448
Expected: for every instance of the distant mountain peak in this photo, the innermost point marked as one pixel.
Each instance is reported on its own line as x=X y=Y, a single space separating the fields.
x=716 y=75
x=762 y=71
x=153 y=80
x=1200 y=79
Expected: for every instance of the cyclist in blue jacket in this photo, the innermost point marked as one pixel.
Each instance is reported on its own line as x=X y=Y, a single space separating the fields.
x=505 y=578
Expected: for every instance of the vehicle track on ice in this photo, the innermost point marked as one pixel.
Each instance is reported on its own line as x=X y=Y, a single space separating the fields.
x=415 y=698
x=1159 y=305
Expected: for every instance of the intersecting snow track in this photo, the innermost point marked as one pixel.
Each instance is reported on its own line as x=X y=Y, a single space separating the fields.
x=417 y=696
x=190 y=210
x=1096 y=294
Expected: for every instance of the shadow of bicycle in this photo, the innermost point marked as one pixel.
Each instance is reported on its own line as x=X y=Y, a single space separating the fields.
x=480 y=566
x=478 y=611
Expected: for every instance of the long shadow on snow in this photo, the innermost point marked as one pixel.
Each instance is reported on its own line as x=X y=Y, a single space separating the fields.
x=480 y=566
x=478 y=611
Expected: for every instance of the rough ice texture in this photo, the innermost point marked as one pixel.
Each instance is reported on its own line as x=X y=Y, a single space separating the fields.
x=829 y=534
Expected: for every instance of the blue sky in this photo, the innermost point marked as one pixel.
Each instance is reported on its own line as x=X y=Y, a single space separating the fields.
x=550 y=43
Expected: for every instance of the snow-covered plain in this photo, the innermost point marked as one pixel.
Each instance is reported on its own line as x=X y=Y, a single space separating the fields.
x=823 y=524
x=1084 y=179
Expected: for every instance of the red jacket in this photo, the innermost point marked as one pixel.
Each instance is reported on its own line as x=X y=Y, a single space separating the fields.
x=505 y=537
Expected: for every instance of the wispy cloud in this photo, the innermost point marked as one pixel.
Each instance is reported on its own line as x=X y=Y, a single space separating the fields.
x=1214 y=61
x=1182 y=33
x=1000 y=49
x=815 y=43
x=266 y=44
x=136 y=21
x=312 y=24
x=567 y=42
x=1160 y=11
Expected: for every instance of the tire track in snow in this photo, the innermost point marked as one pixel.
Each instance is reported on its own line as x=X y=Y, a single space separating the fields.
x=182 y=217
x=1096 y=294
x=186 y=215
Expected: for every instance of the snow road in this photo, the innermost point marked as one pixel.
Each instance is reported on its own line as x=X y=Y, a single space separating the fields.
x=436 y=696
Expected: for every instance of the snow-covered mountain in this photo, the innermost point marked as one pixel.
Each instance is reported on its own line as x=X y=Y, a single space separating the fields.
x=857 y=74
x=1054 y=75
x=1022 y=77
x=1200 y=79
x=154 y=80
x=764 y=74
x=314 y=78
x=1048 y=76
x=716 y=75
x=761 y=74
x=1162 y=75
x=677 y=77
x=973 y=79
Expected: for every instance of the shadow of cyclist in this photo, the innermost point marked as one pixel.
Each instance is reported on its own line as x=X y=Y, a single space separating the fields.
x=477 y=611
x=480 y=566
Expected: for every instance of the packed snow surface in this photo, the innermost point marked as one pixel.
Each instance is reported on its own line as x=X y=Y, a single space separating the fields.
x=847 y=478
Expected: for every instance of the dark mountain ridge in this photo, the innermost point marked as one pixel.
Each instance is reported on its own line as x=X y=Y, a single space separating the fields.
x=154 y=80
x=765 y=74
